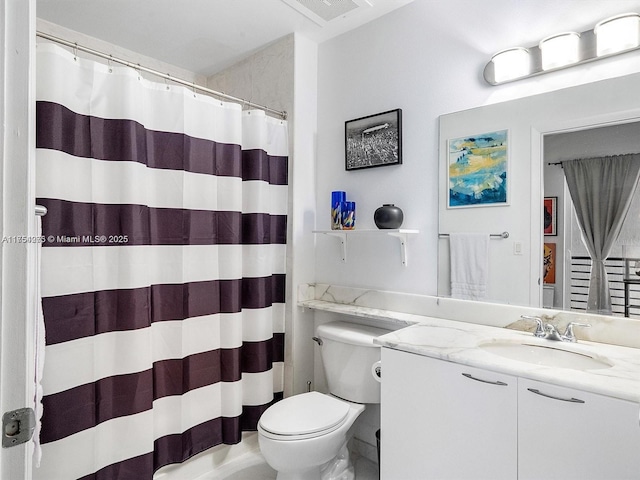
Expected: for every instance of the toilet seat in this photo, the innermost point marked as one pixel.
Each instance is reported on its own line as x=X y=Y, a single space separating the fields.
x=307 y=415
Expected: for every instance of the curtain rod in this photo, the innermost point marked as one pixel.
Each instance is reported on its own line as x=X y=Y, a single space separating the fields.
x=603 y=156
x=157 y=73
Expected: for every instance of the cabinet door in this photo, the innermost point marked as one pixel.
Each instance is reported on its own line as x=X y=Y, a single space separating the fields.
x=589 y=437
x=440 y=420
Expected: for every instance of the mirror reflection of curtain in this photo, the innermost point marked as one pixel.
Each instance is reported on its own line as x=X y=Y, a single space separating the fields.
x=601 y=189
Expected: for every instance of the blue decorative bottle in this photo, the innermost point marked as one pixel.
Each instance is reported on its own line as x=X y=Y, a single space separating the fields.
x=337 y=198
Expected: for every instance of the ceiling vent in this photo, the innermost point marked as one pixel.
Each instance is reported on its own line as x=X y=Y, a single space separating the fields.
x=324 y=11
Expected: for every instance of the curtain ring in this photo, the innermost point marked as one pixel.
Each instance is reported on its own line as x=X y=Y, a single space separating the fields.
x=138 y=72
x=75 y=52
x=194 y=90
x=167 y=77
x=109 y=63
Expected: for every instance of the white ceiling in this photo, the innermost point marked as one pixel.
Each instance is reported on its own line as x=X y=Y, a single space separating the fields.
x=202 y=36
x=205 y=36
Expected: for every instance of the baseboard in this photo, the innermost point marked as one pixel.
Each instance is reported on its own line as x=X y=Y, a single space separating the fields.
x=364 y=449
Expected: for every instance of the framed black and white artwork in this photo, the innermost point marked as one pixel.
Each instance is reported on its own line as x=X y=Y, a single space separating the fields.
x=373 y=141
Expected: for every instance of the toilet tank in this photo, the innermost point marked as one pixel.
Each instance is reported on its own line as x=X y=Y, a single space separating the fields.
x=348 y=354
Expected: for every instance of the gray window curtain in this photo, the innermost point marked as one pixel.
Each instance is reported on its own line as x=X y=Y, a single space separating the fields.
x=601 y=189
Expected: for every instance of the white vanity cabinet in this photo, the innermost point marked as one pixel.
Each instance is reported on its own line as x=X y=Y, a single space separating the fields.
x=441 y=420
x=569 y=434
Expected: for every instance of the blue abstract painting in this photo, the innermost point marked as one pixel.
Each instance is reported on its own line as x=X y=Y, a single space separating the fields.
x=478 y=170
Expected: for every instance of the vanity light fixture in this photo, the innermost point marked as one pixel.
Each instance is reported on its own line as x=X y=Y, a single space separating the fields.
x=511 y=64
x=612 y=36
x=617 y=34
x=560 y=50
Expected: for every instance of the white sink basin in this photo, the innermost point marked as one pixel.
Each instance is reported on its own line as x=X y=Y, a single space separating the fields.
x=546 y=355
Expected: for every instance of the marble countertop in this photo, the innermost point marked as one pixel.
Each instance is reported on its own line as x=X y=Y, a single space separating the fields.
x=394 y=319
x=462 y=342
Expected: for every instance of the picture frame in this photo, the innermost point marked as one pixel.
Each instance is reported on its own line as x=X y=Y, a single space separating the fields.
x=549 y=263
x=478 y=170
x=373 y=141
x=550 y=216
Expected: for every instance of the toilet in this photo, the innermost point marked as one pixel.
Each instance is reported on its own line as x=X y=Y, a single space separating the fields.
x=304 y=437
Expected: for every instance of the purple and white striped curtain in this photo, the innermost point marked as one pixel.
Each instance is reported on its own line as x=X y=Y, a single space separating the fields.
x=163 y=269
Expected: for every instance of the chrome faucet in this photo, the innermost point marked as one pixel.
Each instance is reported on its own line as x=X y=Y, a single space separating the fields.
x=550 y=332
x=568 y=333
x=540 y=332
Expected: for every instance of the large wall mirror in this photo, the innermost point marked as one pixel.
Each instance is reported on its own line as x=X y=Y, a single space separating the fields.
x=597 y=119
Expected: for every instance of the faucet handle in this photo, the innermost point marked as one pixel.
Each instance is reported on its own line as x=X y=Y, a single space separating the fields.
x=539 y=325
x=568 y=333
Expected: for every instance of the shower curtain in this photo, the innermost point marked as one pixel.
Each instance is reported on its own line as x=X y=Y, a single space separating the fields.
x=163 y=268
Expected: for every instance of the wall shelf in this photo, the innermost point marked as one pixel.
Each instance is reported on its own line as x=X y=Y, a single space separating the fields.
x=401 y=234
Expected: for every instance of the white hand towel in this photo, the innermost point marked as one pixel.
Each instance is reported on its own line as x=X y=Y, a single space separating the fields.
x=469 y=265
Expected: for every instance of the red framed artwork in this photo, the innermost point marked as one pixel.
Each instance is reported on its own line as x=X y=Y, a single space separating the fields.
x=549 y=215
x=549 y=263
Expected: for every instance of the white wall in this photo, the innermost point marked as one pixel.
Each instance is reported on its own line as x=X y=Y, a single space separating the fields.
x=266 y=77
x=395 y=62
x=303 y=213
x=117 y=51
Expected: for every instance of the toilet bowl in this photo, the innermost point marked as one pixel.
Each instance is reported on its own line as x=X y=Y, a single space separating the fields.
x=299 y=440
x=304 y=437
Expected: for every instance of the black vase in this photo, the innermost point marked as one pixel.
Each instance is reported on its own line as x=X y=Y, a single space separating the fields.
x=388 y=216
